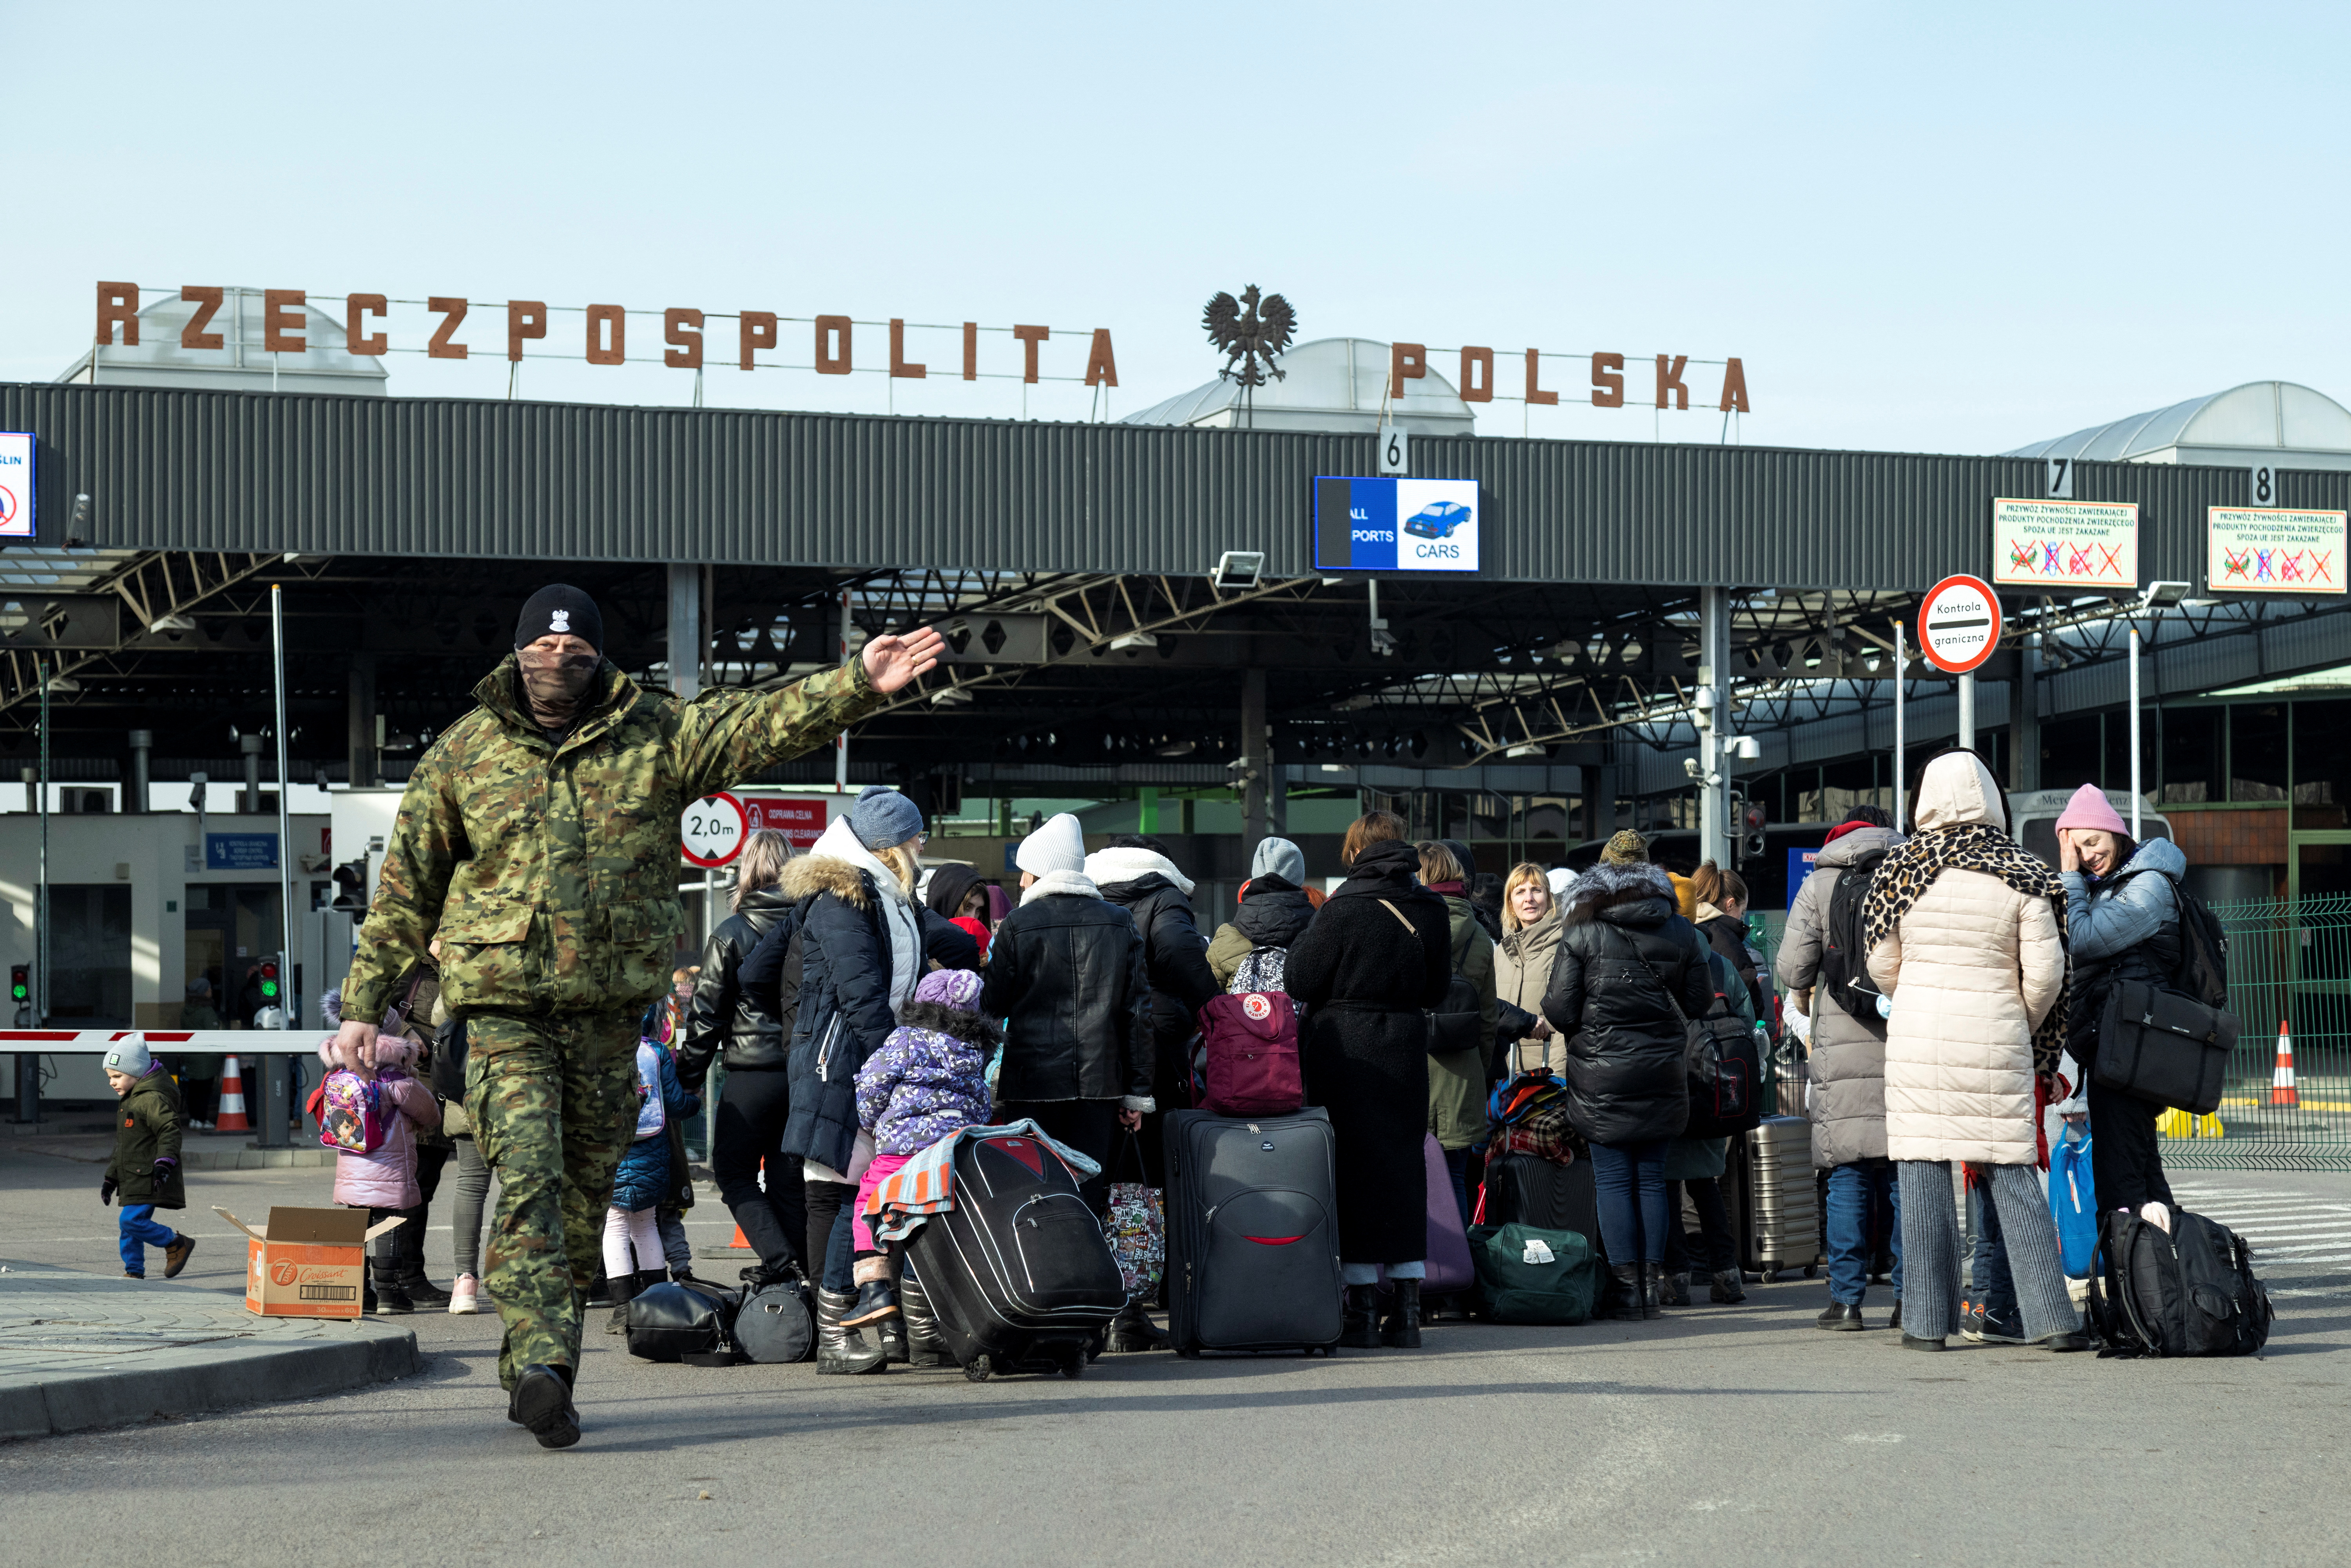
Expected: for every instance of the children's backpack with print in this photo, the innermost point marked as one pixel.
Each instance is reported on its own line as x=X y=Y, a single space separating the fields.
x=351 y=1112
x=652 y=1114
x=1263 y=970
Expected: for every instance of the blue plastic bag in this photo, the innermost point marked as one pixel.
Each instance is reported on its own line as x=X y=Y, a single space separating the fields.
x=2074 y=1202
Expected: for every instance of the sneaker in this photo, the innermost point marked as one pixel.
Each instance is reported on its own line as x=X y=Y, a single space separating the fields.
x=875 y=1301
x=465 y=1297
x=175 y=1256
x=1981 y=1326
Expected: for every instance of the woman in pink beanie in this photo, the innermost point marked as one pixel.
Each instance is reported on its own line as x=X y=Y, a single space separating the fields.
x=2122 y=921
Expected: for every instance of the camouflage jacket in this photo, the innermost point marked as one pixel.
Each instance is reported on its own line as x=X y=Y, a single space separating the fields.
x=550 y=873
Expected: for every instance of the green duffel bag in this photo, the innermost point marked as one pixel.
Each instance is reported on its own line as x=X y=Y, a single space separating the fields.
x=1530 y=1275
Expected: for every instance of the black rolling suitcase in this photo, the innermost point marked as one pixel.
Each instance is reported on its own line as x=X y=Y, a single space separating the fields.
x=1017 y=1271
x=1252 y=1232
x=1526 y=1189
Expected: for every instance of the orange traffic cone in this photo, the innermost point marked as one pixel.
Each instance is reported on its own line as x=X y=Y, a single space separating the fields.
x=739 y=1244
x=232 y=1118
x=2282 y=1091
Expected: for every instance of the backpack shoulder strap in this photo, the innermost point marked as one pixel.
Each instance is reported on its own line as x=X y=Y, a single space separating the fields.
x=1399 y=913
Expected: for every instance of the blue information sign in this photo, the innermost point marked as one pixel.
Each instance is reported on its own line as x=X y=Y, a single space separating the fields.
x=1800 y=866
x=240 y=851
x=1395 y=525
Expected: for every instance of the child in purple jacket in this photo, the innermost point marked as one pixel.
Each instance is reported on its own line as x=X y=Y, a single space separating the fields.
x=928 y=1081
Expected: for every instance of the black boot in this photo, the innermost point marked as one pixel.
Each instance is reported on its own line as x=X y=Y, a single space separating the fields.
x=841 y=1349
x=389 y=1295
x=542 y=1401
x=924 y=1349
x=1360 y=1329
x=875 y=1301
x=1727 y=1288
x=1628 y=1277
x=1653 y=1289
x=1673 y=1290
x=1402 y=1330
x=623 y=1289
x=1133 y=1331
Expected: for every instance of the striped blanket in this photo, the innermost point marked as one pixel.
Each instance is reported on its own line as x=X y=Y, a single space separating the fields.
x=925 y=1185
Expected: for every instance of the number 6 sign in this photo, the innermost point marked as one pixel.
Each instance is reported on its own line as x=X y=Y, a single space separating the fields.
x=712 y=830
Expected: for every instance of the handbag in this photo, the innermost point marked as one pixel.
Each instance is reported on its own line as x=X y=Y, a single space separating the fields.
x=2163 y=1046
x=1138 y=1226
x=1456 y=1023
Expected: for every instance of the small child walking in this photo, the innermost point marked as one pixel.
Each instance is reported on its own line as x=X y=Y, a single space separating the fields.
x=383 y=1180
x=928 y=1081
x=145 y=1169
x=634 y=1258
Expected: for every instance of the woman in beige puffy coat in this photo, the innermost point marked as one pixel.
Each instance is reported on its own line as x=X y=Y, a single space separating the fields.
x=1966 y=936
x=1522 y=960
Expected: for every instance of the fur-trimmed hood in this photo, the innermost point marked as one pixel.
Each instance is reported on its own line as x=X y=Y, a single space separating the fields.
x=1112 y=867
x=1606 y=886
x=831 y=866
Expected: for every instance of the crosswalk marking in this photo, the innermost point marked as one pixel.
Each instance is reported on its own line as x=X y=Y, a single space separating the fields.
x=2294 y=1233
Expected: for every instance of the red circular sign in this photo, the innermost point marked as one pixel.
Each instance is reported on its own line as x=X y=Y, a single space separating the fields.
x=712 y=830
x=1958 y=623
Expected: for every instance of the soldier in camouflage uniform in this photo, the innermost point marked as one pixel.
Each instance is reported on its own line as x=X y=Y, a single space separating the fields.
x=537 y=840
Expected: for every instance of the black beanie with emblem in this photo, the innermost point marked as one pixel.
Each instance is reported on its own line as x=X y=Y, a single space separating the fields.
x=559 y=608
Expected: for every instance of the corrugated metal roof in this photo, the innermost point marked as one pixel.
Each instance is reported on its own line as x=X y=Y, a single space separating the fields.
x=199 y=470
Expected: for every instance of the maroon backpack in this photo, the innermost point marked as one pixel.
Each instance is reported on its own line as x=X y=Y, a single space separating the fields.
x=1250 y=1043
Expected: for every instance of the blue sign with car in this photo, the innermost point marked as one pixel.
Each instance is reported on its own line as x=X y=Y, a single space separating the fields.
x=1395 y=525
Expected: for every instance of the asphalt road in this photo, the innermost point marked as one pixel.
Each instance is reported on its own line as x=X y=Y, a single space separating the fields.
x=1723 y=1434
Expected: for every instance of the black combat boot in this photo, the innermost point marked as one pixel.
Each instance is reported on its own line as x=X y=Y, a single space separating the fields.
x=1727 y=1288
x=1360 y=1329
x=542 y=1402
x=1402 y=1329
x=1628 y=1279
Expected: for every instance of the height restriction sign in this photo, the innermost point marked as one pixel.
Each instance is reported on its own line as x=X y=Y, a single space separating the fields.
x=1958 y=624
x=712 y=830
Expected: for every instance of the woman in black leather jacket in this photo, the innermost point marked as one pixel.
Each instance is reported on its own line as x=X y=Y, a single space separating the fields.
x=726 y=1023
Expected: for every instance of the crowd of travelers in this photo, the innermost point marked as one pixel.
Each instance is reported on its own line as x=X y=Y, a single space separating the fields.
x=1935 y=989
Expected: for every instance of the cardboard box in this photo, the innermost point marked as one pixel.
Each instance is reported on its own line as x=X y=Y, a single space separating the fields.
x=308 y=1262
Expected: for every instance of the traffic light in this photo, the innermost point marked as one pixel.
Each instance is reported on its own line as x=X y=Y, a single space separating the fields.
x=20 y=984
x=269 y=982
x=1751 y=831
x=350 y=885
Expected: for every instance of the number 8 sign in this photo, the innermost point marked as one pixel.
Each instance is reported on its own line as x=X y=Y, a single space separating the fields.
x=711 y=832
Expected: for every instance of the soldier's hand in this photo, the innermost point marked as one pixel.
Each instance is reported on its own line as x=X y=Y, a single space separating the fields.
x=354 y=1046
x=891 y=661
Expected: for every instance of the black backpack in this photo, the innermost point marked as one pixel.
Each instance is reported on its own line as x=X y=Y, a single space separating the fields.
x=2190 y=1292
x=1844 y=949
x=2203 y=971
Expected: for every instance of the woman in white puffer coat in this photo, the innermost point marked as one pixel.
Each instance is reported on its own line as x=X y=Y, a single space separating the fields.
x=1966 y=935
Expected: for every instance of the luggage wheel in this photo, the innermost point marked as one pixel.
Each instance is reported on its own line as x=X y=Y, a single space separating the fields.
x=978 y=1370
x=1768 y=1276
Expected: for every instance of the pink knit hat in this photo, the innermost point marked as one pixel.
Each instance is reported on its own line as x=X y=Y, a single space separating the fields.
x=2088 y=808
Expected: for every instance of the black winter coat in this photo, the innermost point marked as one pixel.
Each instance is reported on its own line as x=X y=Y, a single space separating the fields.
x=1273 y=912
x=844 y=1014
x=947 y=944
x=723 y=1020
x=1624 y=944
x=1361 y=978
x=1727 y=936
x=1066 y=973
x=1176 y=955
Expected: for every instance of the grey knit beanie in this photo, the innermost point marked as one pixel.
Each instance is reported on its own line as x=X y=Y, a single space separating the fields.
x=882 y=817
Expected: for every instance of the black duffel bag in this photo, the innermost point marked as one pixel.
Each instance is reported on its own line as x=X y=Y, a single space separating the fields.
x=688 y=1320
x=2163 y=1046
x=775 y=1322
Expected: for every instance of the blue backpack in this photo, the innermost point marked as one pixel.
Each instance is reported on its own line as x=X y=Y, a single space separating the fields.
x=2074 y=1202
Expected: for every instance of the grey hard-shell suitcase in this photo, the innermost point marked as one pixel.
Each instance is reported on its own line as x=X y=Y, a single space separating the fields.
x=1781 y=1211
x=1252 y=1232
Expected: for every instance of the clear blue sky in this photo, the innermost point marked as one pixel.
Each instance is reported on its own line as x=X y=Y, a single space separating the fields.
x=1955 y=232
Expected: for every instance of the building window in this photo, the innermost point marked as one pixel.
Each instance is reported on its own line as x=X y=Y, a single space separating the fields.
x=2072 y=752
x=2321 y=765
x=90 y=954
x=2257 y=744
x=2194 y=756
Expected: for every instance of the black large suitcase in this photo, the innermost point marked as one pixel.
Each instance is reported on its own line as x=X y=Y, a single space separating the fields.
x=1252 y=1232
x=1525 y=1189
x=1017 y=1271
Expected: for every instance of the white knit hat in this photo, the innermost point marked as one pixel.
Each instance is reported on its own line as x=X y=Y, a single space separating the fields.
x=1058 y=845
x=128 y=1055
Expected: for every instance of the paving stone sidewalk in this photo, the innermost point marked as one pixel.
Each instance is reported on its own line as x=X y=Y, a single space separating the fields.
x=80 y=1350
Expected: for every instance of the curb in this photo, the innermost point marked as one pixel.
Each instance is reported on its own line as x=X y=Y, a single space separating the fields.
x=211 y=1378
x=253 y=1159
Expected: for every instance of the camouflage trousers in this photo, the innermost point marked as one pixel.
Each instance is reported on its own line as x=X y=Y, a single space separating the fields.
x=548 y=1097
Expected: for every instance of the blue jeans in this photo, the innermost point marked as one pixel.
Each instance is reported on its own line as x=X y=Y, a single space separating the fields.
x=1990 y=1285
x=1858 y=1193
x=140 y=1232
x=1632 y=1182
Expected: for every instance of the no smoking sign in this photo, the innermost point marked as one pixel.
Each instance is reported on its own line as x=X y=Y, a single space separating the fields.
x=1958 y=624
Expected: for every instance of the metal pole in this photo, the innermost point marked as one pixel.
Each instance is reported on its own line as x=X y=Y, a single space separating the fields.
x=840 y=746
x=1967 y=710
x=2134 y=729
x=41 y=895
x=285 y=1002
x=1713 y=715
x=1901 y=762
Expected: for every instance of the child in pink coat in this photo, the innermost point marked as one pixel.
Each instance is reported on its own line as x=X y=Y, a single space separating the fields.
x=384 y=1183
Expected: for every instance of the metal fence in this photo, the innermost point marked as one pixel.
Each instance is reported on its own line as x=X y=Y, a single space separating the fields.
x=2290 y=986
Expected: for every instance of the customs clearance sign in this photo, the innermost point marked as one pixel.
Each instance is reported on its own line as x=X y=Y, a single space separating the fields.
x=2269 y=549
x=2057 y=546
x=1395 y=525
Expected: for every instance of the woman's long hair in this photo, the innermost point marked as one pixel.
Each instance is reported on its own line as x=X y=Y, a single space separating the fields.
x=1523 y=873
x=762 y=863
x=902 y=866
x=1716 y=886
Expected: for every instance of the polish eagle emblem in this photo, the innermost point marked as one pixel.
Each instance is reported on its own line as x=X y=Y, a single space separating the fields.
x=1252 y=330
